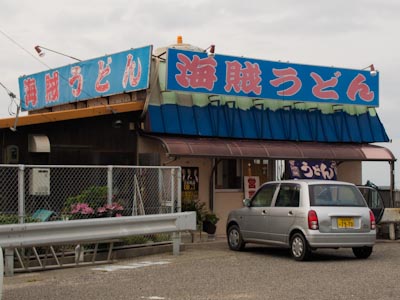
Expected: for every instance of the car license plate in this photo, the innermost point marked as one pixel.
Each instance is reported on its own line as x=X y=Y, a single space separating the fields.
x=345 y=222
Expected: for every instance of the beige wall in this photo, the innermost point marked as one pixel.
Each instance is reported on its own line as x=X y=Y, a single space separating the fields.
x=224 y=202
x=350 y=171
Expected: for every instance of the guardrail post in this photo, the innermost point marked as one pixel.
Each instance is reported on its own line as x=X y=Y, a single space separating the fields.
x=109 y=184
x=21 y=193
x=9 y=262
x=176 y=243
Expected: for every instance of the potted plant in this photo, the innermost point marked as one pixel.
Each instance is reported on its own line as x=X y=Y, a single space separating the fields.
x=210 y=221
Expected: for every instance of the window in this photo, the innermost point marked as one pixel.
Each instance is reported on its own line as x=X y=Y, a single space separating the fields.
x=335 y=195
x=228 y=174
x=289 y=196
x=264 y=196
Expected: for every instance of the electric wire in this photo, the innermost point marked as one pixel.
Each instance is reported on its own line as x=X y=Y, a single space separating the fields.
x=12 y=102
x=21 y=47
x=37 y=59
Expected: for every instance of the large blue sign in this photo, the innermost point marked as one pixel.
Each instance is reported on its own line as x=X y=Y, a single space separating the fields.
x=104 y=76
x=237 y=76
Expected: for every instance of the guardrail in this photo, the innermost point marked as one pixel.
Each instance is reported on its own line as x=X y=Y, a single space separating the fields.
x=391 y=216
x=91 y=230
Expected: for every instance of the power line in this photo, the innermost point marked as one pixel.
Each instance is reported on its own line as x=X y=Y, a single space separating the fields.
x=21 y=47
x=37 y=59
x=12 y=97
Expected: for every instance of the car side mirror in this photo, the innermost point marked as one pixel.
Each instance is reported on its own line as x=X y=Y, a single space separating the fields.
x=246 y=202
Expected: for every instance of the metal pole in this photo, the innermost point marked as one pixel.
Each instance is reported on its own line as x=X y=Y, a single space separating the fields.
x=179 y=189
x=176 y=236
x=173 y=190
x=392 y=180
x=21 y=193
x=109 y=184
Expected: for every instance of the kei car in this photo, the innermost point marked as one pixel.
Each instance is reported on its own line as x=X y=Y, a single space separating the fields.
x=304 y=215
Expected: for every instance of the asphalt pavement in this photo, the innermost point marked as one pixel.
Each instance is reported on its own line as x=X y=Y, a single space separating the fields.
x=211 y=271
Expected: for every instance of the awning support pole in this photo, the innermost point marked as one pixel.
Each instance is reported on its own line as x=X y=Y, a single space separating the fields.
x=392 y=183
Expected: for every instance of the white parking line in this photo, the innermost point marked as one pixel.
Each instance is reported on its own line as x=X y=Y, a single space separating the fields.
x=111 y=268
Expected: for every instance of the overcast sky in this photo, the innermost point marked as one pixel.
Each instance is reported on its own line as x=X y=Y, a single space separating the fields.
x=342 y=33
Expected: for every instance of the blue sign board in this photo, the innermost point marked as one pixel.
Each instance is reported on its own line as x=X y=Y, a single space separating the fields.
x=104 y=76
x=308 y=169
x=197 y=72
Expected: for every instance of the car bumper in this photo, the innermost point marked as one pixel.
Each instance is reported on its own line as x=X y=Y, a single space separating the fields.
x=337 y=240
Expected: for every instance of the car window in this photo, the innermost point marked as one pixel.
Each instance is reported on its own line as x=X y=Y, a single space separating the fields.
x=264 y=196
x=372 y=197
x=288 y=196
x=335 y=195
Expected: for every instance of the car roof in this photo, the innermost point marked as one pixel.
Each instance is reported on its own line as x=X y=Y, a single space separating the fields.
x=311 y=181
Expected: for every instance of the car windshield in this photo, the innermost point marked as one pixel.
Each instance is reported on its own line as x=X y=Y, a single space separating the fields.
x=335 y=195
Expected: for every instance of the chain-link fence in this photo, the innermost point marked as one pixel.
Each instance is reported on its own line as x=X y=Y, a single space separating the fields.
x=45 y=193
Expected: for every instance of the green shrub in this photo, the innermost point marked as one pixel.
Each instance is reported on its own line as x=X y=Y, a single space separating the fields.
x=13 y=219
x=94 y=196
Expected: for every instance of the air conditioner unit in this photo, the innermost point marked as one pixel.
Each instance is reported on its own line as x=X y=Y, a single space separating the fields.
x=40 y=182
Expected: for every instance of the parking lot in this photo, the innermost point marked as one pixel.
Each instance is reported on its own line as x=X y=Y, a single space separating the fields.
x=211 y=271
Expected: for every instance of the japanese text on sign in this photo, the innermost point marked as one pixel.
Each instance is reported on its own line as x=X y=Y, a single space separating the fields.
x=104 y=76
x=302 y=169
x=237 y=76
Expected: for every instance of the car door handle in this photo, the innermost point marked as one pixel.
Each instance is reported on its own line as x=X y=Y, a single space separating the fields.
x=264 y=212
x=290 y=213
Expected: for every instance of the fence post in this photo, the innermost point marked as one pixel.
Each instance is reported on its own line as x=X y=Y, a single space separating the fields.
x=109 y=184
x=21 y=193
x=172 y=190
x=179 y=189
x=176 y=186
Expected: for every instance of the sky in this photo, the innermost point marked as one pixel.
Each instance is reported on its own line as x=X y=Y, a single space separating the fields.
x=342 y=33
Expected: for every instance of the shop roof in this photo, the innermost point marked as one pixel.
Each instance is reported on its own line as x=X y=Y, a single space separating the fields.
x=231 y=148
x=48 y=117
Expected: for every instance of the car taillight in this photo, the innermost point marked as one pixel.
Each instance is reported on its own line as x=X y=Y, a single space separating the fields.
x=372 y=220
x=312 y=220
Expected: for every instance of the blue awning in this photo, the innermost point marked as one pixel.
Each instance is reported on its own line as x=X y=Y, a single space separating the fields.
x=286 y=123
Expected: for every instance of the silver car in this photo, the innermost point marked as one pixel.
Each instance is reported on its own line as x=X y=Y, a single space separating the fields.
x=304 y=215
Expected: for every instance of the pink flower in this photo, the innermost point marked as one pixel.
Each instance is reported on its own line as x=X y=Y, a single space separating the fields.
x=101 y=210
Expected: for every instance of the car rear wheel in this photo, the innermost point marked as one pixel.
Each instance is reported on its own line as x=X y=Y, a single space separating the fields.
x=235 y=239
x=362 y=252
x=299 y=248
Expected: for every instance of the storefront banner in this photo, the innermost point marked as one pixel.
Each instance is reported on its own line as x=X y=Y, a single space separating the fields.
x=190 y=183
x=310 y=169
x=251 y=184
x=112 y=74
x=197 y=72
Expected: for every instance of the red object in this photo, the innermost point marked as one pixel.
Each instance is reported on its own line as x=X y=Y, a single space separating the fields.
x=312 y=220
x=372 y=220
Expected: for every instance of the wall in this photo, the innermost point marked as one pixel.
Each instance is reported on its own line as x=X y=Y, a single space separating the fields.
x=350 y=171
x=89 y=141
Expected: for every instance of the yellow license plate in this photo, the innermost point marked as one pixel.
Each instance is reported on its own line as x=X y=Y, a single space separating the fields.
x=345 y=222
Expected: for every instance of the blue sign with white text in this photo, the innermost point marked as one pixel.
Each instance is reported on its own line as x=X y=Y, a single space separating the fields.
x=113 y=74
x=197 y=72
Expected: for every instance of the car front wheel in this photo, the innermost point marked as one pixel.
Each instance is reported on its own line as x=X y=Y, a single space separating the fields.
x=235 y=240
x=299 y=248
x=362 y=252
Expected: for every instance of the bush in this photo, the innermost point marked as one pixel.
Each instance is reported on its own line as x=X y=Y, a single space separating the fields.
x=94 y=196
x=13 y=219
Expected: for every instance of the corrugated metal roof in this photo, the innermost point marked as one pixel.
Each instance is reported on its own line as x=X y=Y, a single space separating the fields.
x=231 y=148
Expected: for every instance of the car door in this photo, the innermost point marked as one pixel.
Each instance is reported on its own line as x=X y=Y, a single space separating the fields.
x=282 y=213
x=374 y=201
x=254 y=216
